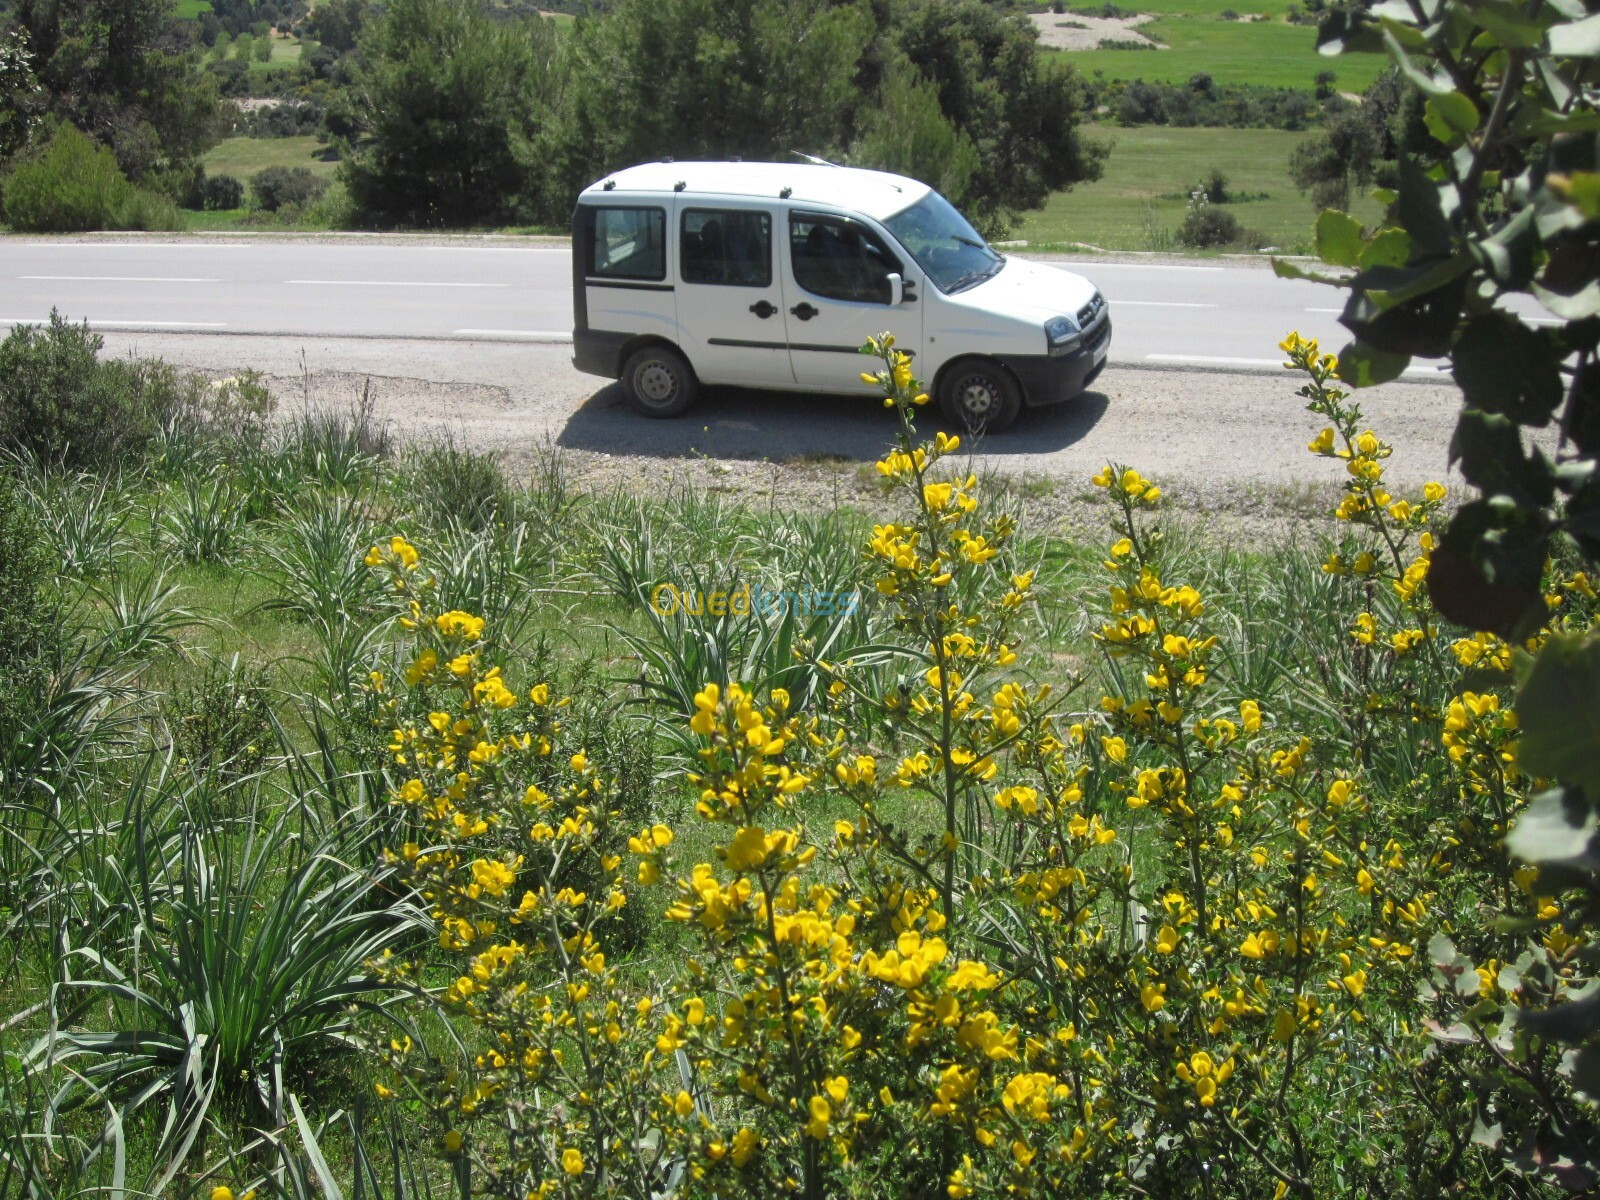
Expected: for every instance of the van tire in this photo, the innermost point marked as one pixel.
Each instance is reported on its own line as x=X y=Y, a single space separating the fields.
x=658 y=381
x=978 y=395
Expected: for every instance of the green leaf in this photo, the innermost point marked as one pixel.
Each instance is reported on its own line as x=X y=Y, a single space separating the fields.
x=1345 y=32
x=1508 y=254
x=1556 y=826
x=1421 y=212
x=1396 y=39
x=1506 y=368
x=1338 y=238
x=1506 y=22
x=1450 y=117
x=1386 y=248
x=1494 y=459
x=1581 y=189
x=1361 y=365
x=1558 y=711
x=1580 y=39
x=1285 y=269
x=1486 y=573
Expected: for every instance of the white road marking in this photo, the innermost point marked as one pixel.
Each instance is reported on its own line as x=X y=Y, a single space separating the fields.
x=119 y=278
x=388 y=283
x=252 y=244
x=1160 y=304
x=108 y=324
x=551 y=336
x=1111 y=266
x=1218 y=360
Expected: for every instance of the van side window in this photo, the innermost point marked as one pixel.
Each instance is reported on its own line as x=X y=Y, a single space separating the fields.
x=629 y=243
x=727 y=247
x=840 y=260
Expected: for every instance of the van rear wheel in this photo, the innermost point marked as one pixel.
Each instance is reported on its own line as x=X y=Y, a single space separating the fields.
x=979 y=396
x=658 y=381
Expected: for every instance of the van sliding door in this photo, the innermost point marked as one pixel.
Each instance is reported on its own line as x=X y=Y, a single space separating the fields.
x=730 y=294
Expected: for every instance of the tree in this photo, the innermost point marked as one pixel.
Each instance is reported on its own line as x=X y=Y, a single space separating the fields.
x=337 y=24
x=455 y=111
x=120 y=70
x=1360 y=145
x=908 y=133
x=1021 y=115
x=711 y=78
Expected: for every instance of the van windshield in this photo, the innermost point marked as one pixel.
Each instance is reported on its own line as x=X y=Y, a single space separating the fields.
x=944 y=244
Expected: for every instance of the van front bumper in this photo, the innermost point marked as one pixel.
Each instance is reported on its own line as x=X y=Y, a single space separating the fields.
x=1054 y=379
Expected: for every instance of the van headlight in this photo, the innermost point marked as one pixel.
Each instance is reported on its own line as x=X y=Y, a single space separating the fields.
x=1061 y=334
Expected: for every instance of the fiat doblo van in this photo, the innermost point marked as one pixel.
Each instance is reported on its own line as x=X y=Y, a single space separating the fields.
x=770 y=275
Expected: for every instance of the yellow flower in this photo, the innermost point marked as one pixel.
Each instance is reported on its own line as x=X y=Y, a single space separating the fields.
x=1166 y=940
x=1153 y=996
x=745 y=1144
x=221 y=1193
x=452 y=1142
x=820 y=1112
x=572 y=1161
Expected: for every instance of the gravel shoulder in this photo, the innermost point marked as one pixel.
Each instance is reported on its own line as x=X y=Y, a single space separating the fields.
x=1228 y=448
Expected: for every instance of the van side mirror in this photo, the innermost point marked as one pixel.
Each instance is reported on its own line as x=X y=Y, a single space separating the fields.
x=897 y=288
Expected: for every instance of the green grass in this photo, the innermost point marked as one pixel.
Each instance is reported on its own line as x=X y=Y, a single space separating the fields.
x=190 y=9
x=244 y=156
x=1151 y=166
x=1265 y=53
x=285 y=54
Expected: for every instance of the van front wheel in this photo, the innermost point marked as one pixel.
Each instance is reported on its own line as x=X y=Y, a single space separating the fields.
x=979 y=396
x=658 y=382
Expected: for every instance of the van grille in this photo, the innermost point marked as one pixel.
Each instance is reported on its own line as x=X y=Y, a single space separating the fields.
x=1092 y=311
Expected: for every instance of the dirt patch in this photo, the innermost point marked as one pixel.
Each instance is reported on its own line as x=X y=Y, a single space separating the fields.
x=1073 y=31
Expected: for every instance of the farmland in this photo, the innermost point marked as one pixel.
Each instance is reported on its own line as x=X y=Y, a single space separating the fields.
x=1144 y=194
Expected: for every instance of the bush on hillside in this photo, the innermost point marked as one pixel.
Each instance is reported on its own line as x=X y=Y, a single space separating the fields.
x=282 y=187
x=220 y=193
x=60 y=404
x=1209 y=227
x=73 y=185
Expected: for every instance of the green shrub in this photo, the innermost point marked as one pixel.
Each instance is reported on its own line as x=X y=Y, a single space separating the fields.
x=28 y=609
x=147 y=211
x=280 y=187
x=72 y=185
x=221 y=192
x=450 y=482
x=223 y=720
x=1210 y=227
x=61 y=405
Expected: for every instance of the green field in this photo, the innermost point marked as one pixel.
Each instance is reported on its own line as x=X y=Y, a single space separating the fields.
x=1139 y=202
x=1266 y=53
x=244 y=156
x=190 y=9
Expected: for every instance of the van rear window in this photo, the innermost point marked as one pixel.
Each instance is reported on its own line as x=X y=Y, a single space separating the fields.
x=727 y=246
x=628 y=243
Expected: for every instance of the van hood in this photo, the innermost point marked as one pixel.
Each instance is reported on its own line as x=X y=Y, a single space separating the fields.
x=1030 y=291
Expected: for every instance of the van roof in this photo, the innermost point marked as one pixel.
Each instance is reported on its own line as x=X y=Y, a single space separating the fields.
x=878 y=194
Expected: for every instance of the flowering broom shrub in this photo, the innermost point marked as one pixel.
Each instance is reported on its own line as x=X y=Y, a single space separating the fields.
x=959 y=936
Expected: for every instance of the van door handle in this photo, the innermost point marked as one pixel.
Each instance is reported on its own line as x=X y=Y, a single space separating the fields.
x=804 y=311
x=763 y=308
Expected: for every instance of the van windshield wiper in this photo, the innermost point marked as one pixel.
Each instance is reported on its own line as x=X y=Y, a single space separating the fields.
x=970 y=278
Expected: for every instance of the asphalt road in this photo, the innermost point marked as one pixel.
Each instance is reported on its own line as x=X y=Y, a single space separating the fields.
x=1190 y=315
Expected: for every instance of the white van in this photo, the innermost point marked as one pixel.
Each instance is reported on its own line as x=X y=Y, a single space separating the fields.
x=771 y=275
